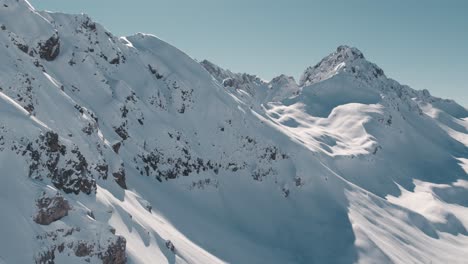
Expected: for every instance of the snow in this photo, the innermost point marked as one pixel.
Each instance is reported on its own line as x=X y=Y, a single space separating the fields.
x=345 y=166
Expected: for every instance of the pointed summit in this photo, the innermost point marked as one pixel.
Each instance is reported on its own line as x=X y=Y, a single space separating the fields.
x=344 y=59
x=348 y=53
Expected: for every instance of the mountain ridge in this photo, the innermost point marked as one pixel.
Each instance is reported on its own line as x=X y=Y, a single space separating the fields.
x=345 y=59
x=126 y=150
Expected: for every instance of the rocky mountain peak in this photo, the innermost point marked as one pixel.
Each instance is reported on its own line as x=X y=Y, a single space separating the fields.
x=282 y=79
x=344 y=59
x=109 y=144
x=349 y=53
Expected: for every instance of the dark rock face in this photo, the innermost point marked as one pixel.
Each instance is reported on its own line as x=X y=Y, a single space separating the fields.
x=103 y=170
x=88 y=24
x=51 y=209
x=170 y=246
x=64 y=178
x=149 y=207
x=109 y=250
x=119 y=177
x=52 y=142
x=154 y=72
x=115 y=253
x=83 y=249
x=24 y=48
x=349 y=51
x=68 y=170
x=50 y=49
x=229 y=82
x=122 y=131
x=115 y=61
x=116 y=147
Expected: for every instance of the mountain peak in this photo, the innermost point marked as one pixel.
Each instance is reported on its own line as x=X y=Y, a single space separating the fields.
x=344 y=59
x=349 y=53
x=282 y=78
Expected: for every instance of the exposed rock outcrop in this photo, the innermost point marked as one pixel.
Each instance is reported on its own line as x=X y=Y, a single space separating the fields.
x=68 y=170
x=119 y=177
x=107 y=247
x=115 y=253
x=170 y=246
x=51 y=209
x=50 y=49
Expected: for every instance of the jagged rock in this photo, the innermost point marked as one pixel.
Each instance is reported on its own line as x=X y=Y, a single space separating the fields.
x=119 y=177
x=115 y=253
x=61 y=247
x=65 y=179
x=116 y=147
x=121 y=131
x=89 y=128
x=103 y=170
x=229 y=82
x=50 y=49
x=108 y=248
x=69 y=185
x=241 y=81
x=88 y=24
x=170 y=246
x=347 y=52
x=52 y=142
x=115 y=60
x=51 y=209
x=83 y=249
x=67 y=171
x=345 y=59
x=24 y=48
x=149 y=207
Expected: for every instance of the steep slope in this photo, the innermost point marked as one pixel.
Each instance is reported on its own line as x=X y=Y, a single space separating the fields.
x=387 y=138
x=125 y=150
x=137 y=114
x=348 y=107
x=395 y=142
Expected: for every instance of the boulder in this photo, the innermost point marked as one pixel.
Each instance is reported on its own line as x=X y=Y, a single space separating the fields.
x=51 y=209
x=50 y=49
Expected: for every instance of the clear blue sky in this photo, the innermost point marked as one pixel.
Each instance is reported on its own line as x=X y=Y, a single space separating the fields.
x=420 y=43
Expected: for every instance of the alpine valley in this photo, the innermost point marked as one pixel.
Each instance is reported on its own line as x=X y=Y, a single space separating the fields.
x=127 y=150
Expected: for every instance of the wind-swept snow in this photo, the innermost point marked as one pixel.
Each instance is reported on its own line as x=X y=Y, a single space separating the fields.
x=162 y=159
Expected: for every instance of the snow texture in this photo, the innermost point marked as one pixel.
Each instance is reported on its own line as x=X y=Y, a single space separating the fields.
x=126 y=150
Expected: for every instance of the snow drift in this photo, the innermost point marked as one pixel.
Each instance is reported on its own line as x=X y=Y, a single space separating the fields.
x=126 y=150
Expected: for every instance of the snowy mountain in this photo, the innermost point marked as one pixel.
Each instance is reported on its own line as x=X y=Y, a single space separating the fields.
x=126 y=150
x=251 y=87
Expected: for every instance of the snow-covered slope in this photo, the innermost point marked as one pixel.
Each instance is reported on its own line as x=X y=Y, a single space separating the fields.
x=126 y=150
